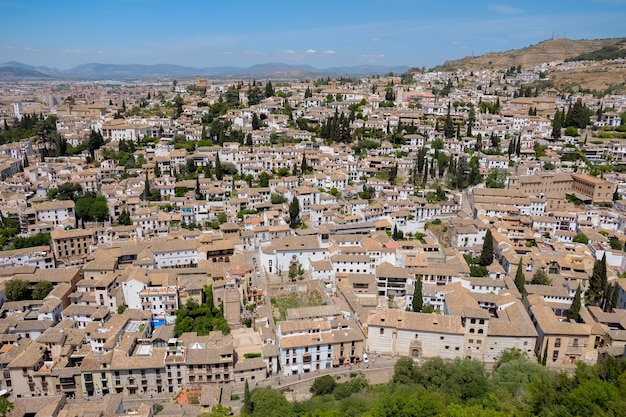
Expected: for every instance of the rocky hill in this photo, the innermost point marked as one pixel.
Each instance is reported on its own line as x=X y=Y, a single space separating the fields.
x=546 y=51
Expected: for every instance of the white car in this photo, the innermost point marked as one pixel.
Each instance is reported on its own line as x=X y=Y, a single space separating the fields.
x=365 y=358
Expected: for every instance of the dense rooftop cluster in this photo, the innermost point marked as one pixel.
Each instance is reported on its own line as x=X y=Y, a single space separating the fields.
x=150 y=231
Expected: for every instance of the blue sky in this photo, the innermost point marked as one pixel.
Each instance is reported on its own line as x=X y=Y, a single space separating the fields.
x=320 y=33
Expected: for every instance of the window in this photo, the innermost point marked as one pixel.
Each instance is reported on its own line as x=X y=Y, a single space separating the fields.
x=557 y=342
x=382 y=331
x=555 y=355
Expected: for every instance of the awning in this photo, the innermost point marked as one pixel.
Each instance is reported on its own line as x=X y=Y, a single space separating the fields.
x=294 y=368
x=306 y=367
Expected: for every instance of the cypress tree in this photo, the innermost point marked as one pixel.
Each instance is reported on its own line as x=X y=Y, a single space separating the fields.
x=486 y=255
x=294 y=212
x=520 y=278
x=544 y=359
x=219 y=174
x=614 y=296
x=574 y=311
x=146 y=188
x=418 y=301
x=598 y=281
x=556 y=125
x=247 y=401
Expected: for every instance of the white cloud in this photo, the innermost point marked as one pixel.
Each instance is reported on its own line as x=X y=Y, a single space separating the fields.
x=100 y=52
x=374 y=39
x=31 y=49
x=330 y=52
x=373 y=56
x=505 y=9
x=287 y=52
x=310 y=51
x=72 y=51
x=7 y=46
x=225 y=53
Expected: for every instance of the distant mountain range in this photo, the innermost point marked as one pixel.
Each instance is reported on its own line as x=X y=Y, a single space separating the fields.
x=96 y=71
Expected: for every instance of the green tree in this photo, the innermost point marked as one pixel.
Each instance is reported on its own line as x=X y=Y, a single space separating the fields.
x=267 y=402
x=124 y=218
x=556 y=125
x=520 y=278
x=573 y=313
x=219 y=174
x=94 y=142
x=486 y=255
x=540 y=277
x=218 y=411
x=294 y=213
x=393 y=174
x=254 y=96
x=496 y=178
x=269 y=89
x=5 y=406
x=247 y=401
x=17 y=290
x=598 y=281
x=418 y=301
x=404 y=371
x=264 y=179
x=323 y=385
x=278 y=198
x=41 y=289
x=256 y=122
x=581 y=238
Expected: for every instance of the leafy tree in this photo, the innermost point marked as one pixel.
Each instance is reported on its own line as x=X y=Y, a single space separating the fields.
x=278 y=199
x=39 y=239
x=404 y=371
x=486 y=255
x=17 y=290
x=418 y=301
x=5 y=406
x=496 y=178
x=124 y=218
x=323 y=385
x=581 y=238
x=256 y=122
x=294 y=213
x=267 y=402
x=573 y=313
x=94 y=142
x=41 y=290
x=254 y=96
x=540 y=277
x=520 y=278
x=218 y=411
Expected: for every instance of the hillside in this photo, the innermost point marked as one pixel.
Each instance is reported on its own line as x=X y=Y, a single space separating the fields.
x=605 y=79
x=546 y=51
